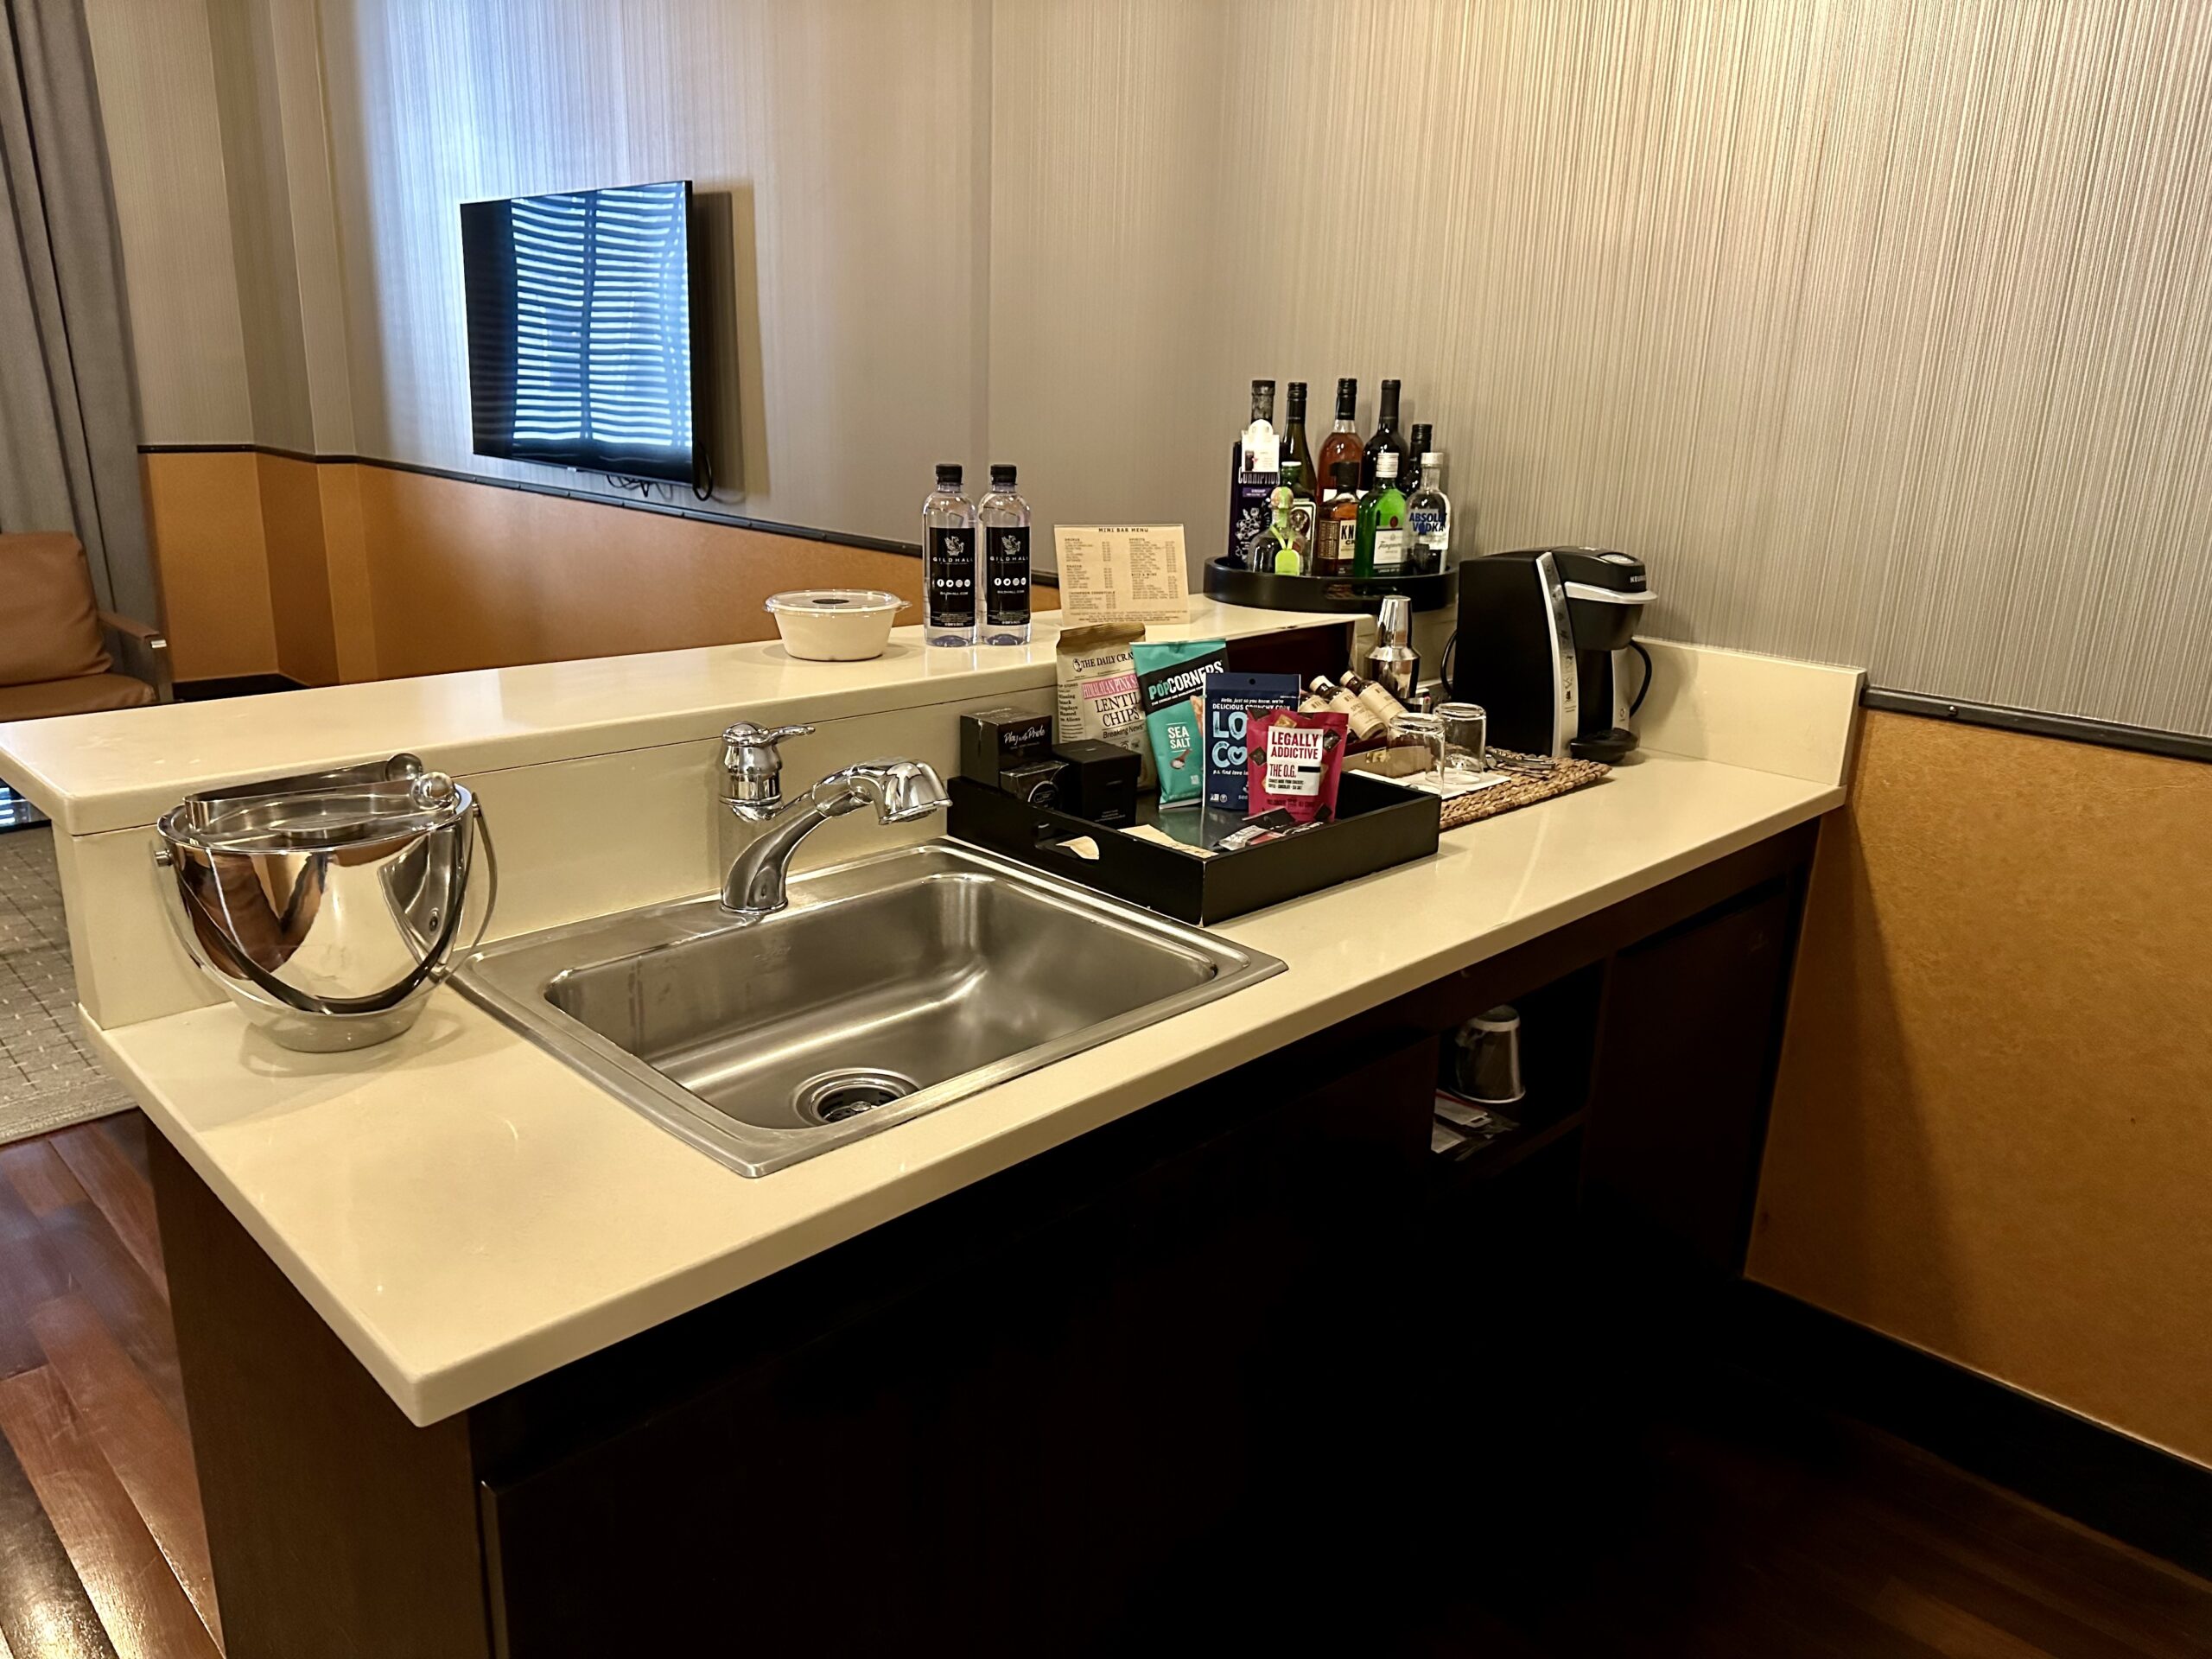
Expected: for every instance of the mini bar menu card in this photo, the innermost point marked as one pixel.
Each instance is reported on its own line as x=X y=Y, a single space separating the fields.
x=1121 y=573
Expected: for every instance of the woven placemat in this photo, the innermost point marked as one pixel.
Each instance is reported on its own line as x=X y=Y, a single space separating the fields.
x=1535 y=779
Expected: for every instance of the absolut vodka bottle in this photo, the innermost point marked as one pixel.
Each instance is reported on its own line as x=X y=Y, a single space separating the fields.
x=1003 y=517
x=1428 y=516
x=949 y=562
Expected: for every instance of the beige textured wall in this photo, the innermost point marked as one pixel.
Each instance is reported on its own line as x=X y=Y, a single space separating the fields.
x=156 y=69
x=1877 y=327
x=843 y=138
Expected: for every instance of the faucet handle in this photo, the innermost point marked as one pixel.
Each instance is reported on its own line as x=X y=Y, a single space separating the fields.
x=753 y=766
x=745 y=734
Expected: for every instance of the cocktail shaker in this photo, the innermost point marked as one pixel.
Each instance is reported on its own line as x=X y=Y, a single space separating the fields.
x=1394 y=664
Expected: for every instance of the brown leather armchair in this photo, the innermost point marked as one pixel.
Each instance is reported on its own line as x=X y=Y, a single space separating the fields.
x=54 y=651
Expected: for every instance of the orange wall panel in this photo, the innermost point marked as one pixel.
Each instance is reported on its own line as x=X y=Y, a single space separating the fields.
x=352 y=606
x=1994 y=1124
x=203 y=517
x=339 y=571
x=299 y=573
x=466 y=575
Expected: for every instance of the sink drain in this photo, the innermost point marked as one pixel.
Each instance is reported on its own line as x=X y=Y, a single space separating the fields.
x=836 y=1096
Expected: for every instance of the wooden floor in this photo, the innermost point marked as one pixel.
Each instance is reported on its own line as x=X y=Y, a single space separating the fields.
x=102 y=1550
x=1728 y=1522
x=1747 y=1527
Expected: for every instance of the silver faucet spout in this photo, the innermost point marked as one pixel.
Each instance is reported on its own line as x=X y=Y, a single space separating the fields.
x=901 y=791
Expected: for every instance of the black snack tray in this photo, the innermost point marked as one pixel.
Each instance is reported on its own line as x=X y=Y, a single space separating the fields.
x=1379 y=825
x=1232 y=584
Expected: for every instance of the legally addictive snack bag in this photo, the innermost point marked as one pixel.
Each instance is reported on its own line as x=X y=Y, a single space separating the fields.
x=1293 y=763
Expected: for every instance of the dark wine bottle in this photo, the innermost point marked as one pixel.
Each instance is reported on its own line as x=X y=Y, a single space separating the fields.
x=1294 y=446
x=1387 y=437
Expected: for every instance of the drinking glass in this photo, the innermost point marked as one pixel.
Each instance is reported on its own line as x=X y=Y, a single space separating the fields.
x=1465 y=741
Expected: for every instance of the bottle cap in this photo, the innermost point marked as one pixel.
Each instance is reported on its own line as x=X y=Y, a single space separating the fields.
x=1431 y=458
x=947 y=474
x=1386 y=464
x=1259 y=386
x=1002 y=475
x=1347 y=396
x=1424 y=437
x=1390 y=388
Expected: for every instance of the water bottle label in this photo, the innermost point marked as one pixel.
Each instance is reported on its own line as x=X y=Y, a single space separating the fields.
x=1005 y=552
x=951 y=577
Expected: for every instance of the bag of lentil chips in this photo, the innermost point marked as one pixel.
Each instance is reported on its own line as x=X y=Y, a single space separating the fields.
x=1097 y=696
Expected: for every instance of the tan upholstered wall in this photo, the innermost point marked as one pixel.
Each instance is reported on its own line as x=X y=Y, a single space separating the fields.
x=203 y=518
x=466 y=575
x=295 y=546
x=341 y=570
x=1993 y=1130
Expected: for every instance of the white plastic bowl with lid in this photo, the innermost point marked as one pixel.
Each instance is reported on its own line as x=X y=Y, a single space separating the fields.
x=836 y=625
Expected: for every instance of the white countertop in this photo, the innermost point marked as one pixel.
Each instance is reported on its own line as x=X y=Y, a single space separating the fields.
x=95 y=772
x=467 y=1213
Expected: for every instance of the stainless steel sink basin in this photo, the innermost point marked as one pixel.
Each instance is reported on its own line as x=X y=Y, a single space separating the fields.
x=893 y=985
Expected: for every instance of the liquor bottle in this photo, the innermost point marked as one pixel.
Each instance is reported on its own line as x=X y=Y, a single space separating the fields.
x=1388 y=439
x=1254 y=464
x=1411 y=474
x=1304 y=513
x=1293 y=434
x=1382 y=546
x=1343 y=441
x=1002 y=518
x=949 y=562
x=1335 y=543
x=1428 y=516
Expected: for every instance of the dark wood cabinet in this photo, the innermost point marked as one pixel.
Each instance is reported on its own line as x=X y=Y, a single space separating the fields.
x=1175 y=1383
x=1049 y=1420
x=1686 y=1049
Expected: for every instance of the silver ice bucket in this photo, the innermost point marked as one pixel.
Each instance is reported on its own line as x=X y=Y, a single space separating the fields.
x=329 y=906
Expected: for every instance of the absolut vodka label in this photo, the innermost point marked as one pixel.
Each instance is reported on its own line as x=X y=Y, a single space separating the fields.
x=951 y=577
x=1006 y=554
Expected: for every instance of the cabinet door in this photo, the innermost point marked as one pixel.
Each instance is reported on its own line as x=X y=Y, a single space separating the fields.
x=1691 y=1029
x=1048 y=1438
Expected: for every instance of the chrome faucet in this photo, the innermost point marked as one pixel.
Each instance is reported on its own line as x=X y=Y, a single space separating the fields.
x=899 y=791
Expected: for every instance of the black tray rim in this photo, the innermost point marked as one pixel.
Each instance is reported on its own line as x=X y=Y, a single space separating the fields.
x=1326 y=595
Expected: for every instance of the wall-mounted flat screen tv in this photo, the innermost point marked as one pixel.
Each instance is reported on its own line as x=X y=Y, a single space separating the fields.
x=580 y=330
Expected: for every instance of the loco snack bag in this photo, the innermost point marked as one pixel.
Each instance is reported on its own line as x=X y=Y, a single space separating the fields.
x=1233 y=700
x=1293 y=762
x=1169 y=678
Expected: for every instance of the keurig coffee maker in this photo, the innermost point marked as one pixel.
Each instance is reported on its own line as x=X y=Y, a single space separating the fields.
x=1538 y=631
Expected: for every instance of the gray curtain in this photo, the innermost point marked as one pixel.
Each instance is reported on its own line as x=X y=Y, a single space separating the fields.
x=68 y=429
